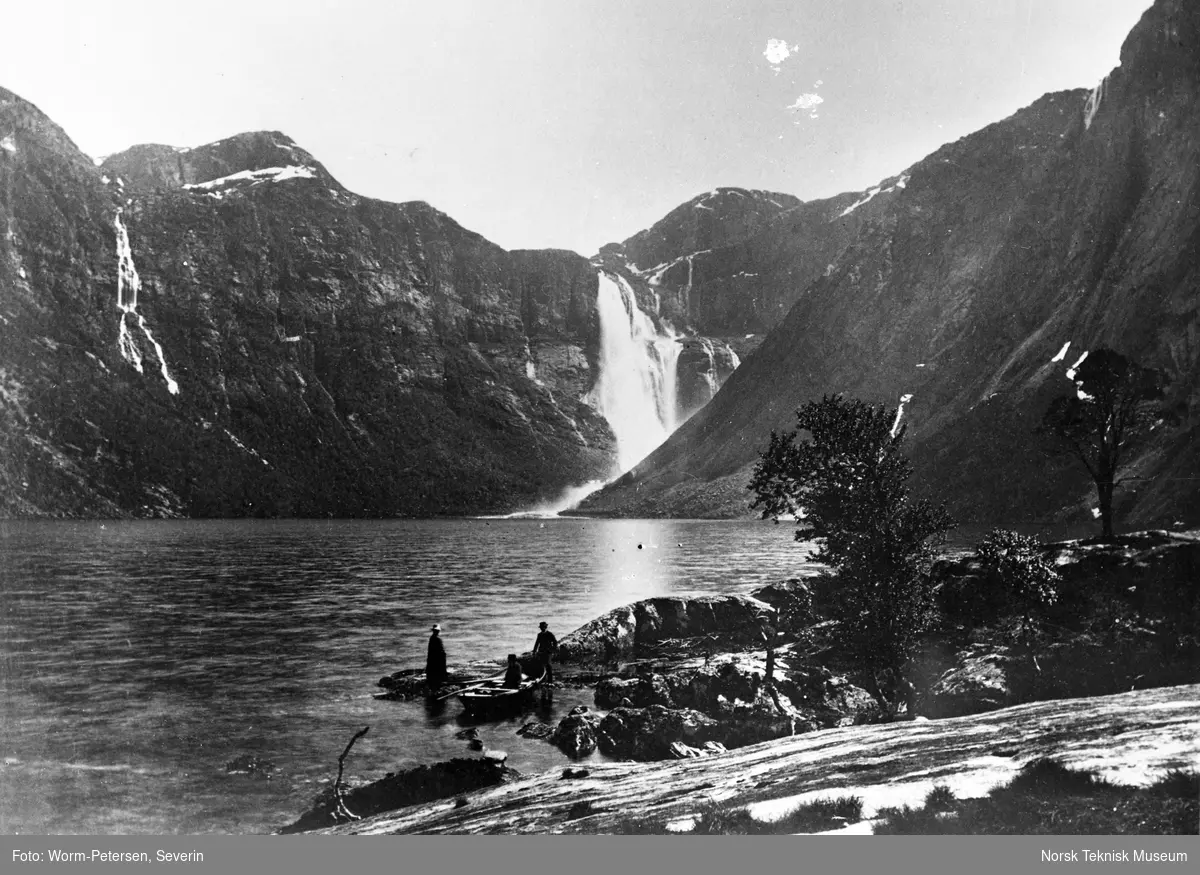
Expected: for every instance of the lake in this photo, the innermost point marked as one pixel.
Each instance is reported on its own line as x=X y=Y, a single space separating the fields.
x=139 y=659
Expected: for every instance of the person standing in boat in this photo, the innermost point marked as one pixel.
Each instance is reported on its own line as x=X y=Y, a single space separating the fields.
x=544 y=648
x=512 y=674
x=435 y=662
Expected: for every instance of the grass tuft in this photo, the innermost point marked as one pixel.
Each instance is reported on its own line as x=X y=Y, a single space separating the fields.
x=1177 y=784
x=1048 y=777
x=1048 y=798
x=940 y=798
x=820 y=815
x=722 y=819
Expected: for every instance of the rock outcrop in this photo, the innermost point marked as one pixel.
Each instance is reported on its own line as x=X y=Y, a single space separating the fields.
x=627 y=631
x=576 y=734
x=648 y=733
x=1131 y=738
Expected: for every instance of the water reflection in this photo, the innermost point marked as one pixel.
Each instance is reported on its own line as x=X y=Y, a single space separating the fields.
x=138 y=659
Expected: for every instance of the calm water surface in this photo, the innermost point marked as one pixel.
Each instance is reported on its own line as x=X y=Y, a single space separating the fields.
x=138 y=659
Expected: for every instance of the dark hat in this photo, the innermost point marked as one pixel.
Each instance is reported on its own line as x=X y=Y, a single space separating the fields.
x=435 y=628
x=542 y=625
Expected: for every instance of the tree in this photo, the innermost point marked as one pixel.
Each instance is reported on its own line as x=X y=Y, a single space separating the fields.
x=847 y=480
x=1113 y=408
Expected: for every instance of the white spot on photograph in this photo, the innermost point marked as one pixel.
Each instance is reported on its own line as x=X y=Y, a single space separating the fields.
x=778 y=51
x=807 y=103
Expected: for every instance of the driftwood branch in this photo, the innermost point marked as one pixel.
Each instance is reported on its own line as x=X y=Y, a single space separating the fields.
x=340 y=811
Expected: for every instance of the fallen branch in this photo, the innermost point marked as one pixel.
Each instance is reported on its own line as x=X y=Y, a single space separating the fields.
x=340 y=811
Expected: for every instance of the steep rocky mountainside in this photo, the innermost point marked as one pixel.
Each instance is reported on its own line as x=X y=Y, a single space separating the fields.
x=227 y=331
x=1074 y=221
x=732 y=261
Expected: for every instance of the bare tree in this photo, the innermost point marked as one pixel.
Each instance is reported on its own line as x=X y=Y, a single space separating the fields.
x=1115 y=404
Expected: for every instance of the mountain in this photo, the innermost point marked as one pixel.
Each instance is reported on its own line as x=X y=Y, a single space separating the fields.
x=1074 y=221
x=226 y=331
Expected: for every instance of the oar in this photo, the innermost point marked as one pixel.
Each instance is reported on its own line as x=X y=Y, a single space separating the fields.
x=474 y=686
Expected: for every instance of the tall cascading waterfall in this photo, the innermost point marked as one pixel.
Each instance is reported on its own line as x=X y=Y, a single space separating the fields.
x=128 y=286
x=637 y=386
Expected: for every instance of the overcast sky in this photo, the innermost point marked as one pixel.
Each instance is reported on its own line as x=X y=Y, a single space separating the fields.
x=560 y=124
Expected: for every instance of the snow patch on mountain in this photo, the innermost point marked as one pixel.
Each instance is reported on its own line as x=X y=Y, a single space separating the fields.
x=256 y=177
x=900 y=183
x=1071 y=370
x=904 y=399
x=858 y=203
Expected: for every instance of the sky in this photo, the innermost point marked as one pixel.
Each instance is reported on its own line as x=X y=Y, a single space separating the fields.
x=565 y=123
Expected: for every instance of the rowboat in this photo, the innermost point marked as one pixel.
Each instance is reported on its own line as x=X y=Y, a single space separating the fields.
x=492 y=697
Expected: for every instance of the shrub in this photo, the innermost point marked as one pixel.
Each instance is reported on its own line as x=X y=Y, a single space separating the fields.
x=940 y=798
x=1015 y=565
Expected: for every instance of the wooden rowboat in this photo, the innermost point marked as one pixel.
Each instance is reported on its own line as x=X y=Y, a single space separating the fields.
x=491 y=697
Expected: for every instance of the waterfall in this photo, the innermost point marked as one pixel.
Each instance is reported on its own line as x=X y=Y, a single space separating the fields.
x=128 y=286
x=637 y=386
x=710 y=375
x=1092 y=106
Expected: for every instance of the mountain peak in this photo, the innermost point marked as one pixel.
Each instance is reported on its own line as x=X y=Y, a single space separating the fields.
x=22 y=123
x=253 y=156
x=716 y=218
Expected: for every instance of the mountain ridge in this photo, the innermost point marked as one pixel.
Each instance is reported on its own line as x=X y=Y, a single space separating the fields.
x=1075 y=219
x=337 y=354
x=227 y=331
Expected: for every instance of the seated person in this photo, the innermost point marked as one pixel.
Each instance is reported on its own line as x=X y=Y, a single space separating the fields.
x=512 y=675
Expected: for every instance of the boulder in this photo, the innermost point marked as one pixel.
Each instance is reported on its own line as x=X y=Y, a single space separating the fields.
x=631 y=630
x=536 y=729
x=792 y=600
x=828 y=700
x=734 y=676
x=603 y=640
x=576 y=733
x=647 y=733
x=980 y=682
x=639 y=692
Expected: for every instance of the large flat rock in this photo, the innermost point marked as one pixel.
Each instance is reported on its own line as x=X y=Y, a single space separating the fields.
x=1131 y=738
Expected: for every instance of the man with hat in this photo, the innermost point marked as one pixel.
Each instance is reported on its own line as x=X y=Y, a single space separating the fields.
x=543 y=649
x=435 y=662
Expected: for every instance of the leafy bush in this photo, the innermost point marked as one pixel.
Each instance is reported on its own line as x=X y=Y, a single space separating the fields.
x=1014 y=564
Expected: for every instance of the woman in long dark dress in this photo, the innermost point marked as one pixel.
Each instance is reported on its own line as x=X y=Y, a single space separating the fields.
x=435 y=662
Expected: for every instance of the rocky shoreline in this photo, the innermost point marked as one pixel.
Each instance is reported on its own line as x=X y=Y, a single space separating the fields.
x=709 y=678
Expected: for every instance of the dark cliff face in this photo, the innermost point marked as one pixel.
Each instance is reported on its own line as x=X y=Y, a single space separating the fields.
x=732 y=261
x=329 y=354
x=1077 y=219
